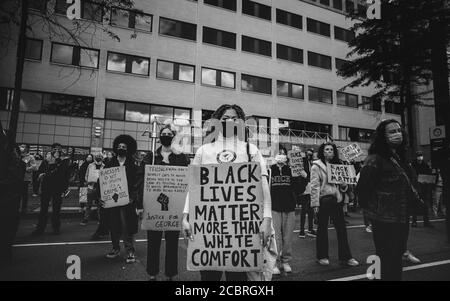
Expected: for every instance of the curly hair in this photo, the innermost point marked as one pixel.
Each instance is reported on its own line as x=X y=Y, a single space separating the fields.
x=223 y=108
x=170 y=127
x=129 y=141
x=380 y=145
x=321 y=155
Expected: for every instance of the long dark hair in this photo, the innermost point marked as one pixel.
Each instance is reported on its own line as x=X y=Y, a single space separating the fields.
x=321 y=155
x=223 y=108
x=380 y=145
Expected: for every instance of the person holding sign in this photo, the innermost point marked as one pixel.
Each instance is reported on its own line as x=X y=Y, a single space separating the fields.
x=166 y=156
x=123 y=220
x=230 y=147
x=327 y=201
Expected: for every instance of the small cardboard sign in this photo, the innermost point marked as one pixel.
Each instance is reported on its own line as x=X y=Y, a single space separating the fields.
x=341 y=174
x=296 y=162
x=351 y=152
x=114 y=187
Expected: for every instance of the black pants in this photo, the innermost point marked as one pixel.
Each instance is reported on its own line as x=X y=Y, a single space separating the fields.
x=25 y=195
x=56 y=200
x=153 y=251
x=389 y=239
x=9 y=222
x=103 y=222
x=337 y=214
x=217 y=276
x=306 y=209
x=35 y=182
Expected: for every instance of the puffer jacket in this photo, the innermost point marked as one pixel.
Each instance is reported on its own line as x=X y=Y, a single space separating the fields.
x=320 y=186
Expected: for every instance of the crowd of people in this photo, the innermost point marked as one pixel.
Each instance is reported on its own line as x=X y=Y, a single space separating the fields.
x=388 y=191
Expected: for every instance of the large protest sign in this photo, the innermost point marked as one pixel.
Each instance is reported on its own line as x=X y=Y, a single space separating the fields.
x=225 y=210
x=93 y=175
x=114 y=186
x=341 y=174
x=426 y=179
x=165 y=189
x=351 y=152
x=296 y=162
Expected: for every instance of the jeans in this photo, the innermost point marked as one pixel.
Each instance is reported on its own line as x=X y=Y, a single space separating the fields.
x=103 y=222
x=389 y=239
x=119 y=229
x=153 y=251
x=217 y=275
x=284 y=223
x=306 y=209
x=337 y=214
x=56 y=199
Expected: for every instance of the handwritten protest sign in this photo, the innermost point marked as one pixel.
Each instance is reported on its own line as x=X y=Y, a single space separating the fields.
x=165 y=189
x=114 y=187
x=296 y=162
x=341 y=174
x=83 y=195
x=351 y=152
x=93 y=175
x=225 y=209
x=426 y=179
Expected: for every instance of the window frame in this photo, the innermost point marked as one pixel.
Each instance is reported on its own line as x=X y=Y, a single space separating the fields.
x=289 y=50
x=320 y=90
x=258 y=77
x=257 y=13
x=221 y=6
x=290 y=93
x=280 y=11
x=76 y=51
x=347 y=99
x=321 y=57
x=318 y=25
x=40 y=51
x=82 y=2
x=180 y=22
x=258 y=45
x=219 y=31
x=134 y=14
x=218 y=76
x=175 y=64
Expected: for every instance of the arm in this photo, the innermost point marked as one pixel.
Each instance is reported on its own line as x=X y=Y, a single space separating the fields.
x=315 y=186
x=367 y=183
x=32 y=164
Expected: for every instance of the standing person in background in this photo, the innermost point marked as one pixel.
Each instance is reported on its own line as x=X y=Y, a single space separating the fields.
x=282 y=193
x=306 y=197
x=38 y=158
x=123 y=220
x=81 y=177
x=445 y=174
x=165 y=155
x=422 y=168
x=90 y=179
x=327 y=201
x=387 y=191
x=30 y=167
x=437 y=196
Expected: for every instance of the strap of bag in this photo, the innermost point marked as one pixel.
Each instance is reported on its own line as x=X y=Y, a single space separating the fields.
x=401 y=170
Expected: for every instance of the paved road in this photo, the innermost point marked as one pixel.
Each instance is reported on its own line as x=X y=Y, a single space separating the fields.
x=44 y=258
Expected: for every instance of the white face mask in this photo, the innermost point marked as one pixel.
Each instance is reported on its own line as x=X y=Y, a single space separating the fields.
x=281 y=159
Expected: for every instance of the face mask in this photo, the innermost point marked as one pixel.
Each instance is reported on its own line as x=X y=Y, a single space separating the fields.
x=395 y=139
x=166 y=140
x=121 y=152
x=22 y=149
x=98 y=160
x=420 y=158
x=89 y=160
x=281 y=159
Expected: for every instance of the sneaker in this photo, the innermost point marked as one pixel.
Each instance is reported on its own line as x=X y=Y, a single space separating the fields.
x=323 y=261
x=287 y=268
x=369 y=229
x=408 y=256
x=84 y=222
x=312 y=233
x=113 y=254
x=351 y=262
x=276 y=271
x=131 y=257
x=302 y=234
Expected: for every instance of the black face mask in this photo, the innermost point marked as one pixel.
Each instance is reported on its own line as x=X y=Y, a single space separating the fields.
x=121 y=152
x=98 y=160
x=166 y=140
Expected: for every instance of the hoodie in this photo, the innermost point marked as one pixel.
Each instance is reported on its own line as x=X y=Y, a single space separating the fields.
x=320 y=186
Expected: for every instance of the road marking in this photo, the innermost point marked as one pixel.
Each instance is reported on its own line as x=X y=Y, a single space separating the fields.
x=410 y=268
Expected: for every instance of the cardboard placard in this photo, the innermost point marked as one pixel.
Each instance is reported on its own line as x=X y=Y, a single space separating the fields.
x=351 y=152
x=83 y=195
x=426 y=179
x=93 y=175
x=165 y=190
x=341 y=174
x=114 y=187
x=296 y=162
x=225 y=211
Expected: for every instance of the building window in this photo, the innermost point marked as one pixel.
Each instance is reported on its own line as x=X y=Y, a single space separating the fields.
x=319 y=60
x=31 y=101
x=340 y=63
x=131 y=19
x=33 y=49
x=177 y=29
x=320 y=95
x=371 y=104
x=256 y=9
x=347 y=99
x=175 y=71
x=337 y=4
x=219 y=37
x=256 y=84
x=289 y=53
x=115 y=110
x=343 y=34
x=349 y=6
x=318 y=27
x=227 y=4
x=137 y=112
x=256 y=46
x=354 y=134
x=74 y=55
x=289 y=19
x=393 y=107
x=290 y=90
x=306 y=126
x=89 y=10
x=128 y=63
x=219 y=78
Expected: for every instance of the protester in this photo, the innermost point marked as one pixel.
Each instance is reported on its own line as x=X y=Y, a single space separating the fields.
x=422 y=168
x=54 y=173
x=38 y=158
x=30 y=167
x=438 y=207
x=444 y=164
x=230 y=148
x=123 y=220
x=387 y=191
x=327 y=201
x=168 y=156
x=305 y=198
x=90 y=179
x=83 y=168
